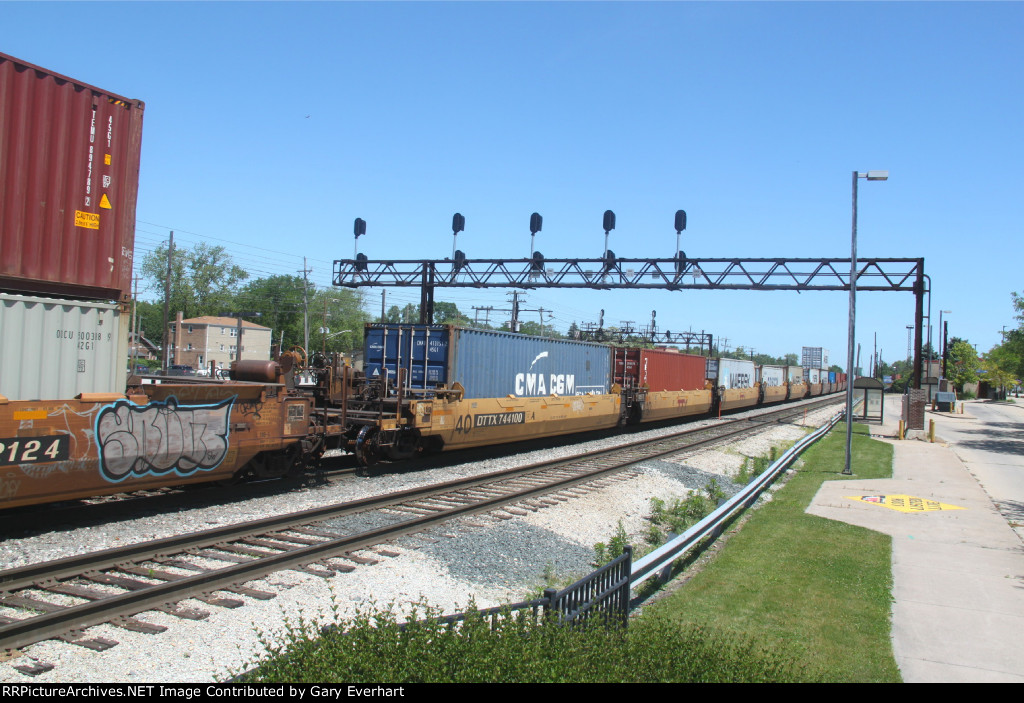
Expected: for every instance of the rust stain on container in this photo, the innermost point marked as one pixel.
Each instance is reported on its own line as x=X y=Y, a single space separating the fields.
x=69 y=155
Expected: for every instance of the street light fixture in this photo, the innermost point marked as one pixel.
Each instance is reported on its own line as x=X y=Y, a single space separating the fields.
x=871 y=176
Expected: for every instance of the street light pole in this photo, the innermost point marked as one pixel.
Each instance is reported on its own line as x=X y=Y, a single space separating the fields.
x=871 y=176
x=942 y=341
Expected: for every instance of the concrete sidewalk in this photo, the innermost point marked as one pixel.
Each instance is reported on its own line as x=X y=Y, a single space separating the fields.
x=958 y=566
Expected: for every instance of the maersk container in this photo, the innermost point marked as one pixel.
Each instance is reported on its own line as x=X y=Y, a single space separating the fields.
x=771 y=375
x=658 y=370
x=736 y=373
x=54 y=349
x=69 y=159
x=487 y=363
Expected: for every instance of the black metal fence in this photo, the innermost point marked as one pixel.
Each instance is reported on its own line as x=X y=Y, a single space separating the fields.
x=601 y=596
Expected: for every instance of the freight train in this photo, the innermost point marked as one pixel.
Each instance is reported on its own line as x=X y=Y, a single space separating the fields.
x=427 y=388
x=73 y=424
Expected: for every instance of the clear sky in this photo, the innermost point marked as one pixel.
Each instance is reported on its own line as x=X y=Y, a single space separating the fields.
x=270 y=126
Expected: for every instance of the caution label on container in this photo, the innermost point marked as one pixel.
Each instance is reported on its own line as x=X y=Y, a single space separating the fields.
x=906 y=504
x=89 y=220
x=104 y=202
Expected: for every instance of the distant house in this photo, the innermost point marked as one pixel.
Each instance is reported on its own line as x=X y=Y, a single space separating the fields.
x=202 y=340
x=142 y=348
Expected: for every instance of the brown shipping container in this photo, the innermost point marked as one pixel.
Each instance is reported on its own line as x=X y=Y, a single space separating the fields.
x=69 y=181
x=662 y=370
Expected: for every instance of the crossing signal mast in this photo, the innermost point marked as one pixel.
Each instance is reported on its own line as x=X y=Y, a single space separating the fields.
x=610 y=272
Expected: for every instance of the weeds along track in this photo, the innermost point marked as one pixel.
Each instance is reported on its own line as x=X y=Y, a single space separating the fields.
x=60 y=599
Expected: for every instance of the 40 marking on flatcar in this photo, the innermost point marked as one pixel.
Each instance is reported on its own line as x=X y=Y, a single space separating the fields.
x=466 y=423
x=34 y=450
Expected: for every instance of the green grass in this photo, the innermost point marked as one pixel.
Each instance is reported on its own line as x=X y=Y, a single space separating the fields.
x=793 y=580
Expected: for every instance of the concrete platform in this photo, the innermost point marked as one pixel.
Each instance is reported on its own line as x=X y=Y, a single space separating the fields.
x=958 y=569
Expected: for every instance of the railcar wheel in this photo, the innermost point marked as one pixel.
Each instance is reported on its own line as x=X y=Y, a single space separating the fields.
x=368 y=445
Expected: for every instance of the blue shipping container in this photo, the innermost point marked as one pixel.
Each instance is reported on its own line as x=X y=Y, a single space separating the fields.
x=831 y=376
x=422 y=350
x=488 y=363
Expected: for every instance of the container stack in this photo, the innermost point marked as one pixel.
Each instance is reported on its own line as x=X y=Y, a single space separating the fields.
x=70 y=158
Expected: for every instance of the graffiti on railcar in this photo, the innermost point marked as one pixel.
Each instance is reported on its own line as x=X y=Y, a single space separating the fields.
x=161 y=437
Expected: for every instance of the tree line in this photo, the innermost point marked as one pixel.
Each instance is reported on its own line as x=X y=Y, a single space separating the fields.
x=205 y=281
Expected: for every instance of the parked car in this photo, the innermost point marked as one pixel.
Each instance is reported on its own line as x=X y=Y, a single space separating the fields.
x=180 y=370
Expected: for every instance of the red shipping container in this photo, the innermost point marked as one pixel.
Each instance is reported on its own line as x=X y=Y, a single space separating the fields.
x=69 y=181
x=659 y=370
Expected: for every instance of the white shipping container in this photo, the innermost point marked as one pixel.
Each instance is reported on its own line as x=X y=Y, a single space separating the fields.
x=812 y=375
x=55 y=349
x=772 y=375
x=736 y=373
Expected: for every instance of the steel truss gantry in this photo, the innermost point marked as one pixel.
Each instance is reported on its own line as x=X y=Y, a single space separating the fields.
x=611 y=273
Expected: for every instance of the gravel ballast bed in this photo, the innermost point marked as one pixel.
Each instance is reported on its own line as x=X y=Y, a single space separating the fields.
x=488 y=560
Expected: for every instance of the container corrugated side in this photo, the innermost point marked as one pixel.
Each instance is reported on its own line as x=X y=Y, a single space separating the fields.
x=736 y=373
x=772 y=375
x=55 y=349
x=795 y=374
x=421 y=350
x=494 y=364
x=812 y=375
x=69 y=159
x=671 y=371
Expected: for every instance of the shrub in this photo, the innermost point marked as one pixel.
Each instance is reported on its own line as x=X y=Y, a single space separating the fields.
x=373 y=648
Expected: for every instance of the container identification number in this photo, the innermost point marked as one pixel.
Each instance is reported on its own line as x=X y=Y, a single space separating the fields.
x=468 y=422
x=33 y=450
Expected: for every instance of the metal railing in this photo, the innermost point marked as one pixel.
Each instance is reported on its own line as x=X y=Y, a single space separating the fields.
x=711 y=526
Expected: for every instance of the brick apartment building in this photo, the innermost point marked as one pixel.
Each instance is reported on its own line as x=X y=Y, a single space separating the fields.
x=205 y=339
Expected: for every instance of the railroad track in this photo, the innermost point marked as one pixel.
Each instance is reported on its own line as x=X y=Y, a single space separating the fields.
x=114 y=585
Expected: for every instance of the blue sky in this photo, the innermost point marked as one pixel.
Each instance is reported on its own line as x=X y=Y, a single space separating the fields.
x=270 y=126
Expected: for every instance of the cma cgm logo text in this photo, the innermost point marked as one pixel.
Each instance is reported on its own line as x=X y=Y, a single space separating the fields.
x=543 y=384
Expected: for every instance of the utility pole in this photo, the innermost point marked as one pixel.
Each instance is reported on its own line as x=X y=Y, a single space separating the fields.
x=514 y=327
x=167 y=297
x=487 y=313
x=135 y=330
x=305 y=305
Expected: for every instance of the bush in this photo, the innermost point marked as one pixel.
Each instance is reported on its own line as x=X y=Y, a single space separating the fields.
x=374 y=649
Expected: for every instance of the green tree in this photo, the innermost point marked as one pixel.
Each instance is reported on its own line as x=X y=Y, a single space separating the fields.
x=203 y=279
x=962 y=365
x=279 y=300
x=449 y=314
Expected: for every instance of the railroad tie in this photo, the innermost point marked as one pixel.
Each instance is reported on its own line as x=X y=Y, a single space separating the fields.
x=34 y=668
x=367 y=561
x=180 y=611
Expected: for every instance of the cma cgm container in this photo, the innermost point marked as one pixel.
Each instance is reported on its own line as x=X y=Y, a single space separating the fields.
x=54 y=349
x=69 y=155
x=487 y=363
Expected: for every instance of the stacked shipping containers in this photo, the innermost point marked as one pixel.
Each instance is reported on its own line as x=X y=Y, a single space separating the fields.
x=70 y=158
x=487 y=363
